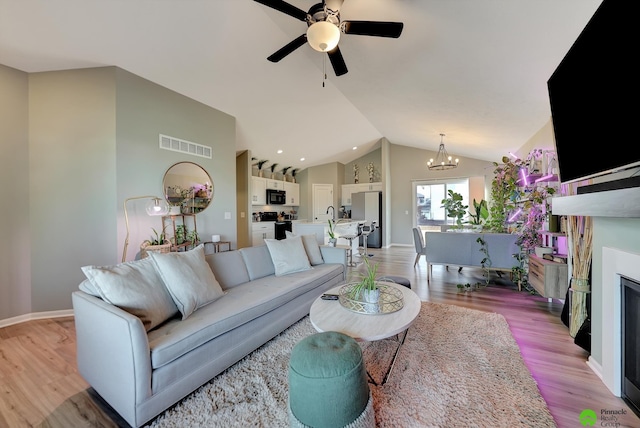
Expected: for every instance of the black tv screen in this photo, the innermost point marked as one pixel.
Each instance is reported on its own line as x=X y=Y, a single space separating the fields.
x=593 y=95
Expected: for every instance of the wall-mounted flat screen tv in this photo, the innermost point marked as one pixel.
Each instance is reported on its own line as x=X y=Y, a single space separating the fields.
x=593 y=95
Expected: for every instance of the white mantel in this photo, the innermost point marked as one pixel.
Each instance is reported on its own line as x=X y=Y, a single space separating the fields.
x=611 y=203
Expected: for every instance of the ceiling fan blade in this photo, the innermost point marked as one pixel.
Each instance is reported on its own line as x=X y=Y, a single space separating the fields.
x=337 y=61
x=373 y=28
x=284 y=7
x=288 y=48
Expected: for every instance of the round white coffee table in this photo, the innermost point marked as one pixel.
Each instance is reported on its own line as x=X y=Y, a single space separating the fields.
x=330 y=315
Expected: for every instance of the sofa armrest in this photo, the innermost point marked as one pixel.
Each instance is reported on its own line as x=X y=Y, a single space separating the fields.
x=334 y=255
x=112 y=353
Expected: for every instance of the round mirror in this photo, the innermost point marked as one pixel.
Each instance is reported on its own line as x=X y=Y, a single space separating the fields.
x=188 y=188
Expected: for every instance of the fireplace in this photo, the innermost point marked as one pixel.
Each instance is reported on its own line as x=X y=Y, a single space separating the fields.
x=616 y=265
x=630 y=343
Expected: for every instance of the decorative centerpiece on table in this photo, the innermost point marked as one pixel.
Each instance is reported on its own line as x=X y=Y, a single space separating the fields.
x=370 y=296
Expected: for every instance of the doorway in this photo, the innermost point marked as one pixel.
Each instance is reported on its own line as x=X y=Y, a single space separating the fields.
x=322 y=199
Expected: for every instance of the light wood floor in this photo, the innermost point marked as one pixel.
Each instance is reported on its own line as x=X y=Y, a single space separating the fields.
x=40 y=387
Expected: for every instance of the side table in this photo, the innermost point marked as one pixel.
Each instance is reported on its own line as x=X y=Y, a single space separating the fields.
x=217 y=246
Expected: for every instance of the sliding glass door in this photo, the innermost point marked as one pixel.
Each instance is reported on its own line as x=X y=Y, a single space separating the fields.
x=428 y=213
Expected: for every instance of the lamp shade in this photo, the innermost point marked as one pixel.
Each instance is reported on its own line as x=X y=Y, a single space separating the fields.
x=157 y=206
x=323 y=36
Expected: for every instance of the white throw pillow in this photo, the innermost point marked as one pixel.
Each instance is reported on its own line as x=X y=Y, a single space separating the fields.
x=311 y=247
x=134 y=287
x=189 y=279
x=288 y=255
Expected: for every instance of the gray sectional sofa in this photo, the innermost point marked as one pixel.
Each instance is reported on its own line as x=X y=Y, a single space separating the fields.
x=141 y=363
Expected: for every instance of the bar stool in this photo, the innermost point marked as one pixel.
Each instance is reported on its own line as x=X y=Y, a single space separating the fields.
x=350 y=238
x=366 y=230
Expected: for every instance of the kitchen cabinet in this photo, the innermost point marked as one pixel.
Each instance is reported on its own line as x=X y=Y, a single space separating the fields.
x=274 y=184
x=293 y=193
x=258 y=191
x=261 y=231
x=550 y=279
x=349 y=189
x=369 y=187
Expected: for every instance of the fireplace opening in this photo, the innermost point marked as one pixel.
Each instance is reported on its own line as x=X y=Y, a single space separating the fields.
x=631 y=343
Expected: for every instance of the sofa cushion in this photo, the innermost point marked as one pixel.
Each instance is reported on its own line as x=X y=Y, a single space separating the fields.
x=311 y=247
x=229 y=268
x=134 y=287
x=240 y=305
x=288 y=255
x=188 y=278
x=258 y=261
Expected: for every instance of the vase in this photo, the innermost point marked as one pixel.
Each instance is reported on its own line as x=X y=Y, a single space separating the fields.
x=578 y=292
x=332 y=242
x=371 y=299
x=260 y=173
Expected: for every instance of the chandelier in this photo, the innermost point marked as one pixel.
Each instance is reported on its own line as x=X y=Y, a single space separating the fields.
x=443 y=160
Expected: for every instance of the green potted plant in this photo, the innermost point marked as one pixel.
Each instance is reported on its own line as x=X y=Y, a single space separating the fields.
x=479 y=215
x=366 y=289
x=158 y=243
x=454 y=207
x=332 y=235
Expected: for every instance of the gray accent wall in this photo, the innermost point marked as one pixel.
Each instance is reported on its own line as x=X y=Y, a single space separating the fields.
x=15 y=263
x=77 y=144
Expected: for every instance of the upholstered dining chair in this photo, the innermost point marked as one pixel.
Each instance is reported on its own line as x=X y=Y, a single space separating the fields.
x=418 y=241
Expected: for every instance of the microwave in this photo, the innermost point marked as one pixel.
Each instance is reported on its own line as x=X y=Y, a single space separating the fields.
x=276 y=197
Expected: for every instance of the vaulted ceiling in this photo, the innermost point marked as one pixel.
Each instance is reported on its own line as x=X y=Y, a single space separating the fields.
x=475 y=70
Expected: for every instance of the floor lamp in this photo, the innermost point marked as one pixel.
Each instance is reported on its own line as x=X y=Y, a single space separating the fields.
x=155 y=206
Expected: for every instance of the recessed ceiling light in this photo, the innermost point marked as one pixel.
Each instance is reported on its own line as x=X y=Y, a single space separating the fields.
x=279 y=151
x=355 y=148
x=301 y=159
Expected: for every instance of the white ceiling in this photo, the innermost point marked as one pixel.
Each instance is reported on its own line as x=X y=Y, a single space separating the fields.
x=475 y=70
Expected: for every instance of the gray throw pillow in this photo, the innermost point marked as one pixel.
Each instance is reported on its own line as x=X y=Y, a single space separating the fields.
x=189 y=279
x=134 y=287
x=311 y=247
x=288 y=255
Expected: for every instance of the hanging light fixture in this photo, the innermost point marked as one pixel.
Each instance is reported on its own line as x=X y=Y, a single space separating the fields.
x=443 y=160
x=323 y=36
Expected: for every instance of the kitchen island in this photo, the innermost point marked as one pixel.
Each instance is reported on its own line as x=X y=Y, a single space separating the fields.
x=341 y=228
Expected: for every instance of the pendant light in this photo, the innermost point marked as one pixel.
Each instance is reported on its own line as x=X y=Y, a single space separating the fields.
x=443 y=160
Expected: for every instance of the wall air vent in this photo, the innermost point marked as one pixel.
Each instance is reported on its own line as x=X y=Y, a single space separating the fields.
x=184 y=146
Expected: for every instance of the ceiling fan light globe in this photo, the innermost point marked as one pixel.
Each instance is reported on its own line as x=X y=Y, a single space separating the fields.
x=323 y=36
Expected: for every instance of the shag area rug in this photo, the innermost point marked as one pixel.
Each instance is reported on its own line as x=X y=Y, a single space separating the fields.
x=458 y=367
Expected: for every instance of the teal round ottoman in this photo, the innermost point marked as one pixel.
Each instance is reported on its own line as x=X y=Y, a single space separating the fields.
x=328 y=383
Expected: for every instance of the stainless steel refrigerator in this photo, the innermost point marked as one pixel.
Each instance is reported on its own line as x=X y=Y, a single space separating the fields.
x=368 y=206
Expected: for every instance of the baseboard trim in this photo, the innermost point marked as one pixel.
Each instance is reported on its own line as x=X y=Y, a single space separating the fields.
x=35 y=316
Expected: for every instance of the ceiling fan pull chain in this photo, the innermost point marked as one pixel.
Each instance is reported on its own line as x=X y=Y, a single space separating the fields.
x=324 y=69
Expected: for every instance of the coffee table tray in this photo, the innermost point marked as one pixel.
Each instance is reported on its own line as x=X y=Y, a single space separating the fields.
x=390 y=300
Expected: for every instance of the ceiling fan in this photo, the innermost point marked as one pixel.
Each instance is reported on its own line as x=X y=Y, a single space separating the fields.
x=324 y=27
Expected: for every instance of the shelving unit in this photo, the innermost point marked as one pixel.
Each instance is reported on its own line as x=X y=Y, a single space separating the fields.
x=177 y=220
x=550 y=279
